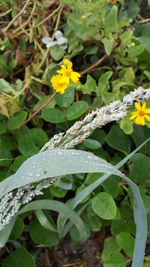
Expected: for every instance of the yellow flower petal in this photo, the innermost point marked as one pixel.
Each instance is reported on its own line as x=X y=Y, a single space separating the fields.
x=140 y=120
x=75 y=76
x=134 y=115
x=147 y=110
x=144 y=106
x=137 y=106
x=147 y=118
x=68 y=63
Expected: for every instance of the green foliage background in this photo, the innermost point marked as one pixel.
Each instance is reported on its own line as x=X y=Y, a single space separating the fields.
x=116 y=38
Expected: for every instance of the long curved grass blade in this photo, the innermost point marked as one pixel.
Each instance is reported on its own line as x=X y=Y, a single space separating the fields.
x=59 y=207
x=84 y=193
x=45 y=164
x=4 y=234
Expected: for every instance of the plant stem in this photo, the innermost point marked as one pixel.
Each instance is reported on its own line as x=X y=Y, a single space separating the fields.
x=38 y=110
x=94 y=65
x=17 y=16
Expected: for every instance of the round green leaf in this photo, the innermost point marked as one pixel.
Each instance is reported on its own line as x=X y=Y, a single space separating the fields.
x=16 y=120
x=27 y=146
x=57 y=192
x=57 y=52
x=140 y=168
x=5 y=156
x=43 y=236
x=126 y=125
x=76 y=110
x=104 y=206
x=118 y=140
x=53 y=115
x=66 y=99
x=38 y=136
x=92 y=144
x=20 y=257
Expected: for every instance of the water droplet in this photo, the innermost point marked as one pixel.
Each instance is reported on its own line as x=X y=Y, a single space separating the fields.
x=60 y=153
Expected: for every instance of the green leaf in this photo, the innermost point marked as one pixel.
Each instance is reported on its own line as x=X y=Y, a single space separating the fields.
x=5 y=156
x=103 y=82
x=57 y=192
x=108 y=45
x=132 y=10
x=27 y=146
x=76 y=110
x=17 y=229
x=45 y=221
x=126 y=242
x=136 y=50
x=39 y=136
x=92 y=144
x=61 y=208
x=110 y=247
x=129 y=75
x=90 y=85
x=126 y=125
x=118 y=140
x=74 y=234
x=42 y=101
x=66 y=99
x=5 y=233
x=94 y=223
x=104 y=206
x=99 y=135
x=16 y=120
x=119 y=226
x=140 y=168
x=111 y=186
x=3 y=128
x=111 y=20
x=139 y=135
x=57 y=52
x=145 y=40
x=116 y=260
x=20 y=257
x=17 y=162
x=43 y=236
x=6 y=87
x=53 y=115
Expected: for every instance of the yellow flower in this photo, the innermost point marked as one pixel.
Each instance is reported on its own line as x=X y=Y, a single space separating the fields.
x=140 y=115
x=67 y=72
x=59 y=85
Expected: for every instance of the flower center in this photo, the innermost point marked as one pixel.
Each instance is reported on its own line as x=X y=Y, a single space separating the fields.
x=141 y=113
x=68 y=73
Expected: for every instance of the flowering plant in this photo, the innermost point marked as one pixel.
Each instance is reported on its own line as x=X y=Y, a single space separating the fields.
x=59 y=40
